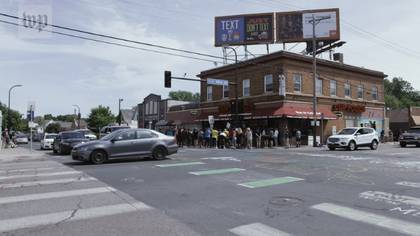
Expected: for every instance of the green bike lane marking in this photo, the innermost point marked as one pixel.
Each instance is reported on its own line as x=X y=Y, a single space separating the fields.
x=216 y=171
x=270 y=182
x=181 y=164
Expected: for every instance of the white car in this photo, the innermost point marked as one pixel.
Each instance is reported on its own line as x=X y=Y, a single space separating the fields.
x=87 y=133
x=354 y=137
x=21 y=138
x=47 y=141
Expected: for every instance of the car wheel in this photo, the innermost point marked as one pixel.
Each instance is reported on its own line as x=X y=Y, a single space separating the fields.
x=159 y=153
x=331 y=148
x=352 y=146
x=403 y=144
x=60 y=150
x=374 y=145
x=98 y=157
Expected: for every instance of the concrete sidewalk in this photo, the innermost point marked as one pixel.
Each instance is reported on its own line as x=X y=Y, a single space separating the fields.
x=19 y=154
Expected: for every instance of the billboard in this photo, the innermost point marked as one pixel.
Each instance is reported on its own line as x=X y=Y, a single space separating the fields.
x=296 y=26
x=244 y=29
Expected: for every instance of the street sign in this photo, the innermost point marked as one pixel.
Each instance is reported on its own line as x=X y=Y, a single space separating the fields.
x=32 y=124
x=217 y=82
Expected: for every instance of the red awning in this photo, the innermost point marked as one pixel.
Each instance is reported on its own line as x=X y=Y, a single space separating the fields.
x=295 y=110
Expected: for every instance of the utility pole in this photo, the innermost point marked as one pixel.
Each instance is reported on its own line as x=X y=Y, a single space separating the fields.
x=9 y=117
x=314 y=72
x=237 y=122
x=78 y=116
x=119 y=110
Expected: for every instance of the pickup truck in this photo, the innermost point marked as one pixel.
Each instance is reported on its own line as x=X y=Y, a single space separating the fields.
x=411 y=136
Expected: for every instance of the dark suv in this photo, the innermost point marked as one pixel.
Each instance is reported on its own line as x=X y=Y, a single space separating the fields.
x=65 y=141
x=412 y=136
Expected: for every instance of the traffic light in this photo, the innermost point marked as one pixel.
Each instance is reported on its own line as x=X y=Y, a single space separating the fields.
x=168 y=77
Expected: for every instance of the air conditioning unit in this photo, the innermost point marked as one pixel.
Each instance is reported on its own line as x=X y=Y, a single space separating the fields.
x=338 y=57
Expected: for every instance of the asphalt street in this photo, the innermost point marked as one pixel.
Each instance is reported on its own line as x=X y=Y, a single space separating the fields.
x=296 y=191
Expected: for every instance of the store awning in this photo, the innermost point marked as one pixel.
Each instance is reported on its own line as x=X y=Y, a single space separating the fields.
x=416 y=120
x=299 y=111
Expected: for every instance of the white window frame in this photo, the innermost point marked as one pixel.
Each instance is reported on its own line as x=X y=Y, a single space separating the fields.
x=375 y=91
x=209 y=93
x=249 y=87
x=360 y=87
x=225 y=90
x=297 y=77
x=265 y=83
x=333 y=92
x=319 y=81
x=347 y=87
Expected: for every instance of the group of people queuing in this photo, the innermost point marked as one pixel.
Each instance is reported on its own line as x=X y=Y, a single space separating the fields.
x=236 y=138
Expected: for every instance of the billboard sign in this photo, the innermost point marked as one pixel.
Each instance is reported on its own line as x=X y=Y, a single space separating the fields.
x=217 y=82
x=296 y=26
x=244 y=29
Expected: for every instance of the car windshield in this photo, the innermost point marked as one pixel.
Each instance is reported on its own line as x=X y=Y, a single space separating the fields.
x=72 y=135
x=416 y=131
x=347 y=131
x=119 y=127
x=108 y=136
x=50 y=136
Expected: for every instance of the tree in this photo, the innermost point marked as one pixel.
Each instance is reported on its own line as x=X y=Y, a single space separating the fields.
x=399 y=93
x=100 y=117
x=53 y=128
x=181 y=95
x=66 y=118
x=49 y=117
x=17 y=123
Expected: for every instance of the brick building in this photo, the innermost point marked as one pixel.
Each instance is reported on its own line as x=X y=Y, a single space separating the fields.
x=275 y=91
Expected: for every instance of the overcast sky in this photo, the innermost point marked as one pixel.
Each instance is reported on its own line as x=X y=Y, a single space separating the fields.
x=59 y=71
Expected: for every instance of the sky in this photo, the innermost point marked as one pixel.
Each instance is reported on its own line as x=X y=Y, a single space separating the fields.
x=58 y=72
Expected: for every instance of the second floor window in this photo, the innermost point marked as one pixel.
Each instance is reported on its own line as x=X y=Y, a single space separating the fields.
x=318 y=86
x=268 y=83
x=347 y=92
x=333 y=88
x=246 y=87
x=209 y=93
x=225 y=91
x=360 y=91
x=374 y=93
x=297 y=82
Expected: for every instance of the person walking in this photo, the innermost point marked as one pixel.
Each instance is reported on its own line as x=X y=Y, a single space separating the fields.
x=248 y=135
x=298 y=137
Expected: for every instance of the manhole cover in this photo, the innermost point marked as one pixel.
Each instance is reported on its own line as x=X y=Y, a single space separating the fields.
x=282 y=201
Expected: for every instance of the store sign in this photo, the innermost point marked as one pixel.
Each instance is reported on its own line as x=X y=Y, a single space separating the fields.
x=217 y=82
x=348 y=108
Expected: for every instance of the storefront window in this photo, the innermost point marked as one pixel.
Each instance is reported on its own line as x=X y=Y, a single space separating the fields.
x=268 y=83
x=225 y=91
x=297 y=82
x=209 y=93
x=375 y=93
x=246 y=85
x=347 y=92
x=318 y=86
x=333 y=88
x=360 y=91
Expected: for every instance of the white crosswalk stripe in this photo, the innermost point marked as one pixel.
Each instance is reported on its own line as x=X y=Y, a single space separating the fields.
x=257 y=229
x=390 y=198
x=388 y=223
x=50 y=195
x=29 y=170
x=409 y=184
x=40 y=175
x=68 y=216
x=45 y=182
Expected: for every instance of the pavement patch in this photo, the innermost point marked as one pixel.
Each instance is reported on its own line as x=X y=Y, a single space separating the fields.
x=181 y=164
x=46 y=182
x=270 y=182
x=388 y=223
x=390 y=198
x=257 y=229
x=216 y=171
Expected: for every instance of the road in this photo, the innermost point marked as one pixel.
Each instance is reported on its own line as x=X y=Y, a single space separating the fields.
x=303 y=191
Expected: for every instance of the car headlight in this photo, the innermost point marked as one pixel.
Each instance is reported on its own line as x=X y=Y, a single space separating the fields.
x=83 y=149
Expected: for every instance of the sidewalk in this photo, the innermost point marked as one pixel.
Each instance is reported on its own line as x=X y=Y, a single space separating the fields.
x=19 y=154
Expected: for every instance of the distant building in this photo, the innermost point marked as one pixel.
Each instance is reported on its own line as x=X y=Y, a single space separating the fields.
x=129 y=117
x=404 y=118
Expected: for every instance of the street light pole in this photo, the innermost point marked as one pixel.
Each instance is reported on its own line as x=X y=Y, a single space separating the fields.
x=78 y=115
x=119 y=110
x=9 y=117
x=314 y=72
x=236 y=88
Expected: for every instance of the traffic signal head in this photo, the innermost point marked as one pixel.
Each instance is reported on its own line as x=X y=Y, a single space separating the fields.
x=168 y=77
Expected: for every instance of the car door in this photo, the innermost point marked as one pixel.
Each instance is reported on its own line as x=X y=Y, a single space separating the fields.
x=145 y=141
x=359 y=136
x=369 y=133
x=123 y=144
x=56 y=142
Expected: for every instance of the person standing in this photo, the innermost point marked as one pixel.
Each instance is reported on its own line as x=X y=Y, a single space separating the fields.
x=248 y=135
x=286 y=137
x=207 y=138
x=276 y=137
x=214 y=134
x=298 y=137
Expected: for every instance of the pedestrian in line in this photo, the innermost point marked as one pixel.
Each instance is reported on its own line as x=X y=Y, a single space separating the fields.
x=248 y=135
x=271 y=138
x=276 y=137
x=382 y=136
x=264 y=138
x=207 y=138
x=200 y=137
x=258 y=139
x=239 y=138
x=286 y=137
x=298 y=137
x=214 y=135
x=234 y=138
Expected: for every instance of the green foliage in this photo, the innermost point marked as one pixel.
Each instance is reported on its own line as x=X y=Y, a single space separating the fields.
x=49 y=117
x=100 y=117
x=53 y=128
x=66 y=118
x=399 y=93
x=181 y=95
x=17 y=123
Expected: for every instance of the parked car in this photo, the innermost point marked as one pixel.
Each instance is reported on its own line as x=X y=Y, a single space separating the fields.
x=36 y=137
x=126 y=143
x=65 y=141
x=21 y=139
x=109 y=129
x=87 y=133
x=412 y=136
x=352 y=138
x=47 y=141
